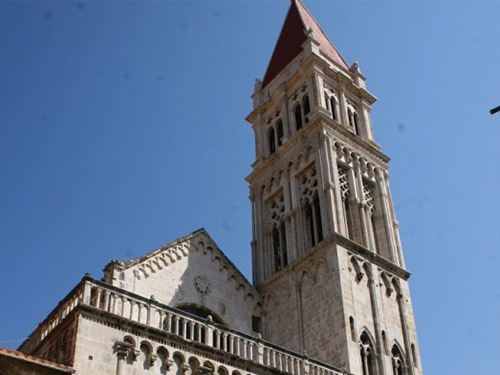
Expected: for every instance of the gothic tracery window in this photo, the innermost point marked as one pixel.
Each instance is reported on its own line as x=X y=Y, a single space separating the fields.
x=278 y=232
x=311 y=204
x=370 y=209
x=397 y=361
x=367 y=354
x=345 y=196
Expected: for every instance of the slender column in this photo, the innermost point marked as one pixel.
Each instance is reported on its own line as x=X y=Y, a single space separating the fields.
x=290 y=240
x=394 y=222
x=121 y=355
x=341 y=220
x=406 y=336
x=106 y=300
x=217 y=338
x=368 y=131
x=176 y=325
x=343 y=106
x=376 y=321
x=386 y=214
x=317 y=83
x=98 y=298
x=87 y=291
x=361 y=210
x=328 y=220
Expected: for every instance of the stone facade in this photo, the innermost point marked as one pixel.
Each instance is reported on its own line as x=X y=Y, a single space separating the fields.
x=330 y=294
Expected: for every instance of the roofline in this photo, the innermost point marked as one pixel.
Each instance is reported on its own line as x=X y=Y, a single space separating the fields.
x=33 y=359
x=202 y=230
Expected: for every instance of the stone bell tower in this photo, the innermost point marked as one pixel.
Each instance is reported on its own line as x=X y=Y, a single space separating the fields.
x=326 y=251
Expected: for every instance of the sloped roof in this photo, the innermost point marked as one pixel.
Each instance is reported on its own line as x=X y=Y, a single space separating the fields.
x=293 y=34
x=13 y=355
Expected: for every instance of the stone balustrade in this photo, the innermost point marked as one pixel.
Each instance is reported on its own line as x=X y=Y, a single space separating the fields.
x=149 y=312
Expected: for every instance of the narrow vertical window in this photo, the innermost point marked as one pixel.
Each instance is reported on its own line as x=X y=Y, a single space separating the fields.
x=367 y=355
x=284 y=253
x=356 y=123
x=279 y=128
x=414 y=355
x=307 y=107
x=351 y=120
x=397 y=361
x=333 y=107
x=272 y=141
x=310 y=224
x=353 y=330
x=276 y=249
x=317 y=218
x=298 y=117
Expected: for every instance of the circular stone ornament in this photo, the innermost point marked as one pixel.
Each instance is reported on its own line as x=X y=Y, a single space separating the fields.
x=202 y=285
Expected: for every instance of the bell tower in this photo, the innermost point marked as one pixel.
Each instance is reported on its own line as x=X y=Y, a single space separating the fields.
x=326 y=250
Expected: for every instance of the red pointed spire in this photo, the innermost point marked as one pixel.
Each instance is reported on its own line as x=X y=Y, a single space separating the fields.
x=293 y=34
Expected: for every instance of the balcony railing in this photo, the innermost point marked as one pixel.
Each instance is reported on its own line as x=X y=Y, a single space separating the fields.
x=149 y=312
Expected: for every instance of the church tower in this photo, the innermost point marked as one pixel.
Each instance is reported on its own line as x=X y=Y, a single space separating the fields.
x=326 y=250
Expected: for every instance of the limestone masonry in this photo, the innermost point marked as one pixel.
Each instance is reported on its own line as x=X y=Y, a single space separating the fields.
x=330 y=290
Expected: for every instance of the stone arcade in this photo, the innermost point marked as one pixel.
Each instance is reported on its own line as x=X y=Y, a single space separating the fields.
x=330 y=293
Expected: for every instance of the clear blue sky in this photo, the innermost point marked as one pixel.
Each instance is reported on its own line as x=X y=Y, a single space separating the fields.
x=122 y=127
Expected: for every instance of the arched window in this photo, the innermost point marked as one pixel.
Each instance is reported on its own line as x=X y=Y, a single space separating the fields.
x=272 y=140
x=279 y=128
x=333 y=108
x=307 y=107
x=353 y=120
x=356 y=123
x=397 y=361
x=353 y=329
x=298 y=117
x=414 y=355
x=350 y=117
x=279 y=246
x=313 y=221
x=367 y=354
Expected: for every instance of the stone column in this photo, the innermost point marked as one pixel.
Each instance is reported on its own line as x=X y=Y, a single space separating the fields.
x=343 y=105
x=406 y=335
x=338 y=203
x=367 y=124
x=327 y=199
x=376 y=321
x=387 y=215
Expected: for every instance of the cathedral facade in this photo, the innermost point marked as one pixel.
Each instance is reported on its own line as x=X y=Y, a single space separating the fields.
x=330 y=290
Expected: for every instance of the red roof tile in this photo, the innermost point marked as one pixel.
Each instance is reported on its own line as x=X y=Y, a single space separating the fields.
x=293 y=34
x=33 y=359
